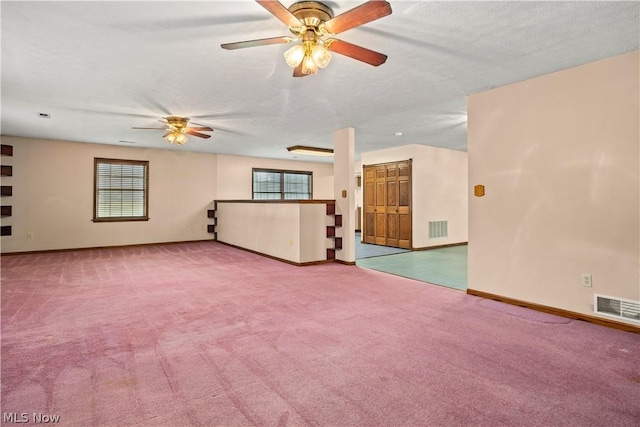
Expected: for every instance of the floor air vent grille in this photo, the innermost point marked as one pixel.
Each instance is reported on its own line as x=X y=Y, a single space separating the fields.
x=619 y=308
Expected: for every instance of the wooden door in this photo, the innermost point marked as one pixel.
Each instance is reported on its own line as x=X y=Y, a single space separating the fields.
x=404 y=205
x=369 y=196
x=387 y=200
x=380 y=233
x=391 y=205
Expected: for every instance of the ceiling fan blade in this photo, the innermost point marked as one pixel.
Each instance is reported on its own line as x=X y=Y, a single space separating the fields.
x=257 y=42
x=356 y=52
x=359 y=15
x=198 y=134
x=282 y=13
x=201 y=128
x=200 y=125
x=297 y=72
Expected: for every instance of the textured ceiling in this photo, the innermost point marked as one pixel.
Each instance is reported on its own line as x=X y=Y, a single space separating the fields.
x=99 y=68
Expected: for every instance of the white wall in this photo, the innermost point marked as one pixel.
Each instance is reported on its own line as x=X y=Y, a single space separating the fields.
x=344 y=190
x=53 y=193
x=268 y=228
x=313 y=232
x=559 y=156
x=358 y=190
x=53 y=196
x=290 y=231
x=439 y=185
x=234 y=175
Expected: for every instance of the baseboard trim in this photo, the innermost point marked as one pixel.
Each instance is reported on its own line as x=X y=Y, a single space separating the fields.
x=339 y=261
x=558 y=311
x=93 y=248
x=297 y=264
x=448 y=245
x=135 y=245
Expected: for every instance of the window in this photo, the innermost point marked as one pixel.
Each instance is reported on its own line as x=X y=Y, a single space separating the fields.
x=121 y=190
x=281 y=185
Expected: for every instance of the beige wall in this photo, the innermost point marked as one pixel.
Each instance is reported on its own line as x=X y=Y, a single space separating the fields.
x=235 y=177
x=268 y=228
x=291 y=231
x=438 y=190
x=53 y=193
x=559 y=156
x=313 y=232
x=53 y=196
x=344 y=186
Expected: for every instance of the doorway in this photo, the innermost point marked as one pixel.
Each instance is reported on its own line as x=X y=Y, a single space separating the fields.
x=387 y=204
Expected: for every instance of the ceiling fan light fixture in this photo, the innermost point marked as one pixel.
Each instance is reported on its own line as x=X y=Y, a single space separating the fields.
x=309 y=66
x=176 y=137
x=311 y=54
x=320 y=55
x=294 y=56
x=310 y=151
x=171 y=138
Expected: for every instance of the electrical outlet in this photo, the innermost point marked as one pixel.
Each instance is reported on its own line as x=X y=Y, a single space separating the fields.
x=586 y=280
x=29 y=235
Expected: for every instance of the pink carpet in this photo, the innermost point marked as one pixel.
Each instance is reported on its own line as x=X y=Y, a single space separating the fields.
x=203 y=334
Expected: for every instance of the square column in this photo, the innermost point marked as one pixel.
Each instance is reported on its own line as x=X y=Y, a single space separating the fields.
x=344 y=190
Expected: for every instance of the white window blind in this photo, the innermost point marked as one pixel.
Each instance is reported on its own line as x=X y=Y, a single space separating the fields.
x=297 y=186
x=279 y=185
x=121 y=190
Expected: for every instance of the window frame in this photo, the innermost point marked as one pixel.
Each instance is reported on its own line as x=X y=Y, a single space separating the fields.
x=282 y=173
x=102 y=160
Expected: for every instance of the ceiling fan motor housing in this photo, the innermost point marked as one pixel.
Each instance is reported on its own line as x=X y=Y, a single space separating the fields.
x=177 y=122
x=311 y=13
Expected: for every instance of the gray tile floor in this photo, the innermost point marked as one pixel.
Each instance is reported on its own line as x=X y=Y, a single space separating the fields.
x=364 y=250
x=443 y=266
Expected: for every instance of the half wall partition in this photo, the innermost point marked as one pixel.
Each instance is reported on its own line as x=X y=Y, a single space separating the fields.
x=300 y=232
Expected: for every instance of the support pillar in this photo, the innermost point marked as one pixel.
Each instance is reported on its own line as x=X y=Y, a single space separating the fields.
x=344 y=190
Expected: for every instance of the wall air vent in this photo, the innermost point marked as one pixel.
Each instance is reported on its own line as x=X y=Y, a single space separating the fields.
x=438 y=229
x=618 y=308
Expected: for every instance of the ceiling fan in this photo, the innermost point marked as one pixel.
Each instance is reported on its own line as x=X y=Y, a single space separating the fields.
x=314 y=26
x=177 y=129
